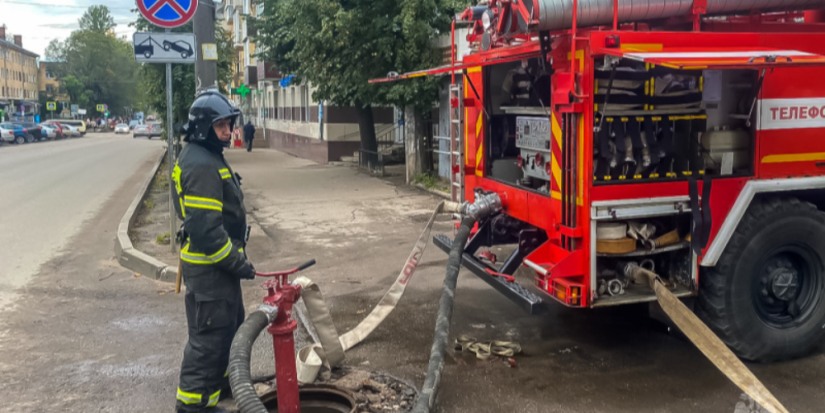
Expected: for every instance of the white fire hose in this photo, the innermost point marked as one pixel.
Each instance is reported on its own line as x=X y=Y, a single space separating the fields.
x=331 y=347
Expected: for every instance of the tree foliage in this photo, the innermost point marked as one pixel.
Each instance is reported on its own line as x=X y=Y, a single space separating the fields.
x=56 y=50
x=97 y=19
x=339 y=45
x=95 y=67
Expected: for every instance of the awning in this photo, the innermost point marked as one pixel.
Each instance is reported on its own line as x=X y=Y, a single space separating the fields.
x=691 y=58
x=451 y=68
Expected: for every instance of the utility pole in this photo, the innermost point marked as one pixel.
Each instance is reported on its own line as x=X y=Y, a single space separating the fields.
x=170 y=152
x=206 y=70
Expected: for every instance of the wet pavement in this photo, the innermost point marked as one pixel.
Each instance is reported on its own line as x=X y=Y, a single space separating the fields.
x=87 y=335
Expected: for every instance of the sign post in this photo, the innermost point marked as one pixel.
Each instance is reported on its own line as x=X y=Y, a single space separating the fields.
x=172 y=48
x=51 y=107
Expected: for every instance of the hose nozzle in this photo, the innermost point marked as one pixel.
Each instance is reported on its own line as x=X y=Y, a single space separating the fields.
x=485 y=205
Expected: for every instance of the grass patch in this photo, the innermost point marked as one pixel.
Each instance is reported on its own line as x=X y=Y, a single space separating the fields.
x=430 y=181
x=149 y=204
x=163 y=239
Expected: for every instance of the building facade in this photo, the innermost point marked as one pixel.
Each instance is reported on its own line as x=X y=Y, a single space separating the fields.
x=283 y=111
x=52 y=91
x=18 y=78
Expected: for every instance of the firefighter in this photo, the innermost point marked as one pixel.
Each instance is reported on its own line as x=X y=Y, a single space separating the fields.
x=209 y=200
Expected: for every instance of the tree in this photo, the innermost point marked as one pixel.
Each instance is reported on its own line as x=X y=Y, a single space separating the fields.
x=56 y=50
x=95 y=67
x=103 y=65
x=339 y=45
x=98 y=20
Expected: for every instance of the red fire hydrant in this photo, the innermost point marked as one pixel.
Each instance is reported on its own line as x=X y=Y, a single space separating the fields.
x=282 y=294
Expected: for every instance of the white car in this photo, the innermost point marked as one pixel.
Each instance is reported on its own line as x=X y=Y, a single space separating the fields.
x=49 y=131
x=70 y=131
x=122 y=128
x=6 y=134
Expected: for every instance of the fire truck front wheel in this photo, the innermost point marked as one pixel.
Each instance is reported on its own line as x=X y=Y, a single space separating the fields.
x=765 y=298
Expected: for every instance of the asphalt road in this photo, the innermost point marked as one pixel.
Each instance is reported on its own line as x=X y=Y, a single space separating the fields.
x=49 y=189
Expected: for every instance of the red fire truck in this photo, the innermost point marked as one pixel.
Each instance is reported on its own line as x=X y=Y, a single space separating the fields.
x=687 y=137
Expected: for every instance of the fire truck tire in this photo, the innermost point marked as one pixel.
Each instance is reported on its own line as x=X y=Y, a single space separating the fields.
x=765 y=298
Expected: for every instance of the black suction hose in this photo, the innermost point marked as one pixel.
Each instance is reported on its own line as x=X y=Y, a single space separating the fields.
x=426 y=398
x=240 y=377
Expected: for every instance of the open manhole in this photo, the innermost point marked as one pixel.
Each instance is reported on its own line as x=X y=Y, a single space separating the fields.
x=315 y=399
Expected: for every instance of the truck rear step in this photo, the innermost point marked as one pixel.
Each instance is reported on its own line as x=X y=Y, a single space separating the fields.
x=517 y=293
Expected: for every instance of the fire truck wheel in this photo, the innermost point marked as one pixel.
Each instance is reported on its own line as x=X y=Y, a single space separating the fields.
x=765 y=298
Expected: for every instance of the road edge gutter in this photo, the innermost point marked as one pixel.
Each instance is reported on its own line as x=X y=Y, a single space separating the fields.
x=130 y=257
x=444 y=195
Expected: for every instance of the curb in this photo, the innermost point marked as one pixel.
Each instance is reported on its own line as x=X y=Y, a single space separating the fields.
x=444 y=195
x=130 y=257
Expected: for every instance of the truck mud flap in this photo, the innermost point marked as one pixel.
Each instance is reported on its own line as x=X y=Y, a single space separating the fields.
x=517 y=293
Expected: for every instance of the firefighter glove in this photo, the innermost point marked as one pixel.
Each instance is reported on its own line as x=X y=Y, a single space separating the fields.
x=247 y=271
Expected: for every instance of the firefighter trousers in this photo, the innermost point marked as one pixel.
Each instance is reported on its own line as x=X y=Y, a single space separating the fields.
x=213 y=316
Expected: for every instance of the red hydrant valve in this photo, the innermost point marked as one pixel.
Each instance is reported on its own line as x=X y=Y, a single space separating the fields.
x=283 y=295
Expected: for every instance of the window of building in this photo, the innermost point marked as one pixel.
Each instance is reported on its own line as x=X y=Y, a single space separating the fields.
x=50 y=89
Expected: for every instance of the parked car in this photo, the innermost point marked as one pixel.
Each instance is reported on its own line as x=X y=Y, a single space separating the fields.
x=70 y=130
x=7 y=133
x=33 y=129
x=141 y=130
x=77 y=124
x=52 y=131
x=19 y=135
x=121 y=128
x=133 y=123
x=150 y=130
x=57 y=125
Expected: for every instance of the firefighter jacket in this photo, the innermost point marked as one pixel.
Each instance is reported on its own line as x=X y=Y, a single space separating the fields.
x=209 y=200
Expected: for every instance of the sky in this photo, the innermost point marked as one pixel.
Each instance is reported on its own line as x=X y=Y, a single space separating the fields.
x=40 y=21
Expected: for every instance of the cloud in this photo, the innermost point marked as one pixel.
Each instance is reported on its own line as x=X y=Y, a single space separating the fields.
x=60 y=26
x=40 y=21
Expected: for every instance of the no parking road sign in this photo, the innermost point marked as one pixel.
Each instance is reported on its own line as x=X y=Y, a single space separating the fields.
x=167 y=13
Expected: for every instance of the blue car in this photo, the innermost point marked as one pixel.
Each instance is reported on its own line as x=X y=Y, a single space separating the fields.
x=19 y=135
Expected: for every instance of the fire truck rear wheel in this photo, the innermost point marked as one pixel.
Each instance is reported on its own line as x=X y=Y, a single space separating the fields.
x=765 y=298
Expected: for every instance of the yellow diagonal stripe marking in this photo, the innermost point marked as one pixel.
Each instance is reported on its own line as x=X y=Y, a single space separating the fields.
x=556 y=129
x=556 y=171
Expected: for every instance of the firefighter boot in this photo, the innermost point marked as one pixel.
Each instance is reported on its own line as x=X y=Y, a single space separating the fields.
x=215 y=409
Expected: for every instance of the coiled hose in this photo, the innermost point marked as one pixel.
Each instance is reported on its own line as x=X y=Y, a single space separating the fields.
x=240 y=376
x=427 y=396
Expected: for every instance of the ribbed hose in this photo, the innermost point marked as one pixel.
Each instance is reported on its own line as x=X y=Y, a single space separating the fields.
x=240 y=376
x=426 y=398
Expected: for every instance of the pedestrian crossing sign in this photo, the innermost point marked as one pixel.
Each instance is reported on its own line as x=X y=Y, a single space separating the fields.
x=51 y=106
x=101 y=108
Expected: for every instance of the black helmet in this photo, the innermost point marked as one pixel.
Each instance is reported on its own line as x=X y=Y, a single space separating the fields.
x=208 y=108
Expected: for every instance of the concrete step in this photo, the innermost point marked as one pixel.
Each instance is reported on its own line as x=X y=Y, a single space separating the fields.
x=349 y=159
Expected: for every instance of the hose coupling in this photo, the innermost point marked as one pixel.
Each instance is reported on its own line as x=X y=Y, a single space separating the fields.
x=486 y=204
x=270 y=311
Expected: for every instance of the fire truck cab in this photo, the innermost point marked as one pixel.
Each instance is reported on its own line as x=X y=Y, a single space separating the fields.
x=689 y=142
